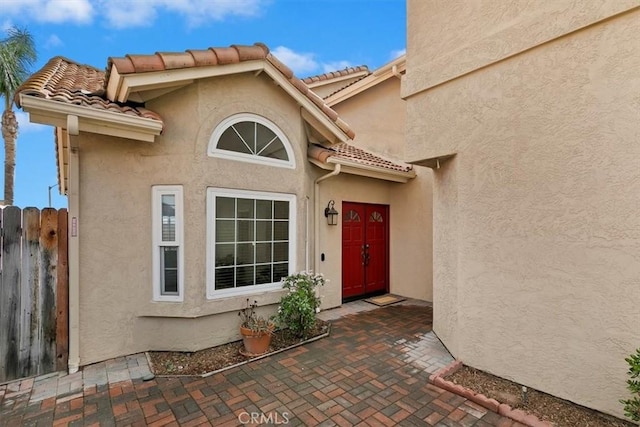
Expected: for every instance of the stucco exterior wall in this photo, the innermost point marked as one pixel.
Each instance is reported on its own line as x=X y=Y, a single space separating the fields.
x=536 y=225
x=379 y=115
x=117 y=314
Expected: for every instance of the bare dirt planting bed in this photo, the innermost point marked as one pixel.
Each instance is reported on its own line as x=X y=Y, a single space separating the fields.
x=560 y=412
x=215 y=358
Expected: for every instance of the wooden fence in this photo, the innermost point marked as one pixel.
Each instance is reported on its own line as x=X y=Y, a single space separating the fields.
x=34 y=316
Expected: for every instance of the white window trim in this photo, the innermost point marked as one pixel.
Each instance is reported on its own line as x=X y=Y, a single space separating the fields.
x=214 y=151
x=212 y=193
x=157 y=192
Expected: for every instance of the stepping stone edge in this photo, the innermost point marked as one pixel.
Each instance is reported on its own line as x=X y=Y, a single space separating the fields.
x=503 y=409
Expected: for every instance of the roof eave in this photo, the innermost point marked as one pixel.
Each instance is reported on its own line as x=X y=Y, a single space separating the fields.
x=122 y=88
x=55 y=113
x=393 y=69
x=338 y=79
x=355 y=168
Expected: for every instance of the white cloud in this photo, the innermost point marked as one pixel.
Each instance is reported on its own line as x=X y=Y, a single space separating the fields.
x=53 y=41
x=129 y=13
x=56 y=11
x=395 y=54
x=25 y=126
x=300 y=63
x=328 y=67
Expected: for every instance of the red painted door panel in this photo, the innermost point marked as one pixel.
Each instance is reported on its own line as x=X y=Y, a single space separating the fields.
x=376 y=246
x=353 y=229
x=365 y=249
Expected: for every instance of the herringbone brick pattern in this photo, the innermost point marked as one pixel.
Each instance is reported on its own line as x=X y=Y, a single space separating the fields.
x=367 y=373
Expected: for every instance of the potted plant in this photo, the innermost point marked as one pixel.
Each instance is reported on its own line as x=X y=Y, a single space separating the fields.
x=256 y=331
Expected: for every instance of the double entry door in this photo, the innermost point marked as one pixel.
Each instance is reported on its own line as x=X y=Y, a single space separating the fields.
x=365 y=249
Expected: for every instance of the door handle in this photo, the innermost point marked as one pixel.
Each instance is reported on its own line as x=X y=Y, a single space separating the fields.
x=364 y=254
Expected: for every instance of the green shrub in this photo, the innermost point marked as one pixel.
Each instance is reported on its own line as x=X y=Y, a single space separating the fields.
x=632 y=406
x=299 y=307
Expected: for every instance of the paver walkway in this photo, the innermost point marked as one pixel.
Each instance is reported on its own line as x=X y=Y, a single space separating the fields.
x=372 y=370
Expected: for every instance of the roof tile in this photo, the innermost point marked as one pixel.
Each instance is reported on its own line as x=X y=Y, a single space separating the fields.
x=86 y=85
x=144 y=63
x=226 y=55
x=66 y=81
x=124 y=65
x=236 y=54
x=203 y=58
x=250 y=53
x=358 y=155
x=333 y=74
x=172 y=60
x=288 y=73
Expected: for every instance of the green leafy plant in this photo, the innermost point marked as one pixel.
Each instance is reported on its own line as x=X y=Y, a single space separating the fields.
x=632 y=406
x=251 y=320
x=299 y=307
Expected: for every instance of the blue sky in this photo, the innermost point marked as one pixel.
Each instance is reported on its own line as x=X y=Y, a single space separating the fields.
x=311 y=36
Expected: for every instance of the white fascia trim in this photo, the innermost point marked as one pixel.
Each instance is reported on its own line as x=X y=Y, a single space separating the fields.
x=354 y=168
x=337 y=79
x=91 y=120
x=375 y=78
x=130 y=83
x=305 y=102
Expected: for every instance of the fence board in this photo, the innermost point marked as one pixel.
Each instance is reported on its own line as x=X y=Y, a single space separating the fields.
x=34 y=336
x=49 y=251
x=10 y=296
x=30 y=285
x=62 y=293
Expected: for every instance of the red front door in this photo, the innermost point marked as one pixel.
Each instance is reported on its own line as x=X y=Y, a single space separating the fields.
x=365 y=249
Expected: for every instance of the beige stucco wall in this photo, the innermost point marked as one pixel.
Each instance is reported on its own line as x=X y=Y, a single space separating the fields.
x=117 y=314
x=537 y=232
x=378 y=116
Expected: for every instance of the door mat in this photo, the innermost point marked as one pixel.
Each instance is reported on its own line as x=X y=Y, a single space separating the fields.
x=383 y=300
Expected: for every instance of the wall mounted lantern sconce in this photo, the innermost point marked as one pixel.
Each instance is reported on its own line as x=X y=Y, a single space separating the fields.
x=331 y=213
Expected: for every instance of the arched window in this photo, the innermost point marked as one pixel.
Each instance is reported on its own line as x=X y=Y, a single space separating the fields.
x=251 y=138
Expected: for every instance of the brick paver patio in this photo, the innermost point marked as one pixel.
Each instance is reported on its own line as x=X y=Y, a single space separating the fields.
x=372 y=371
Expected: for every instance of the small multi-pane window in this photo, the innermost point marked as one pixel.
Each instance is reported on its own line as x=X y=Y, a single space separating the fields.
x=167 y=243
x=251 y=138
x=251 y=240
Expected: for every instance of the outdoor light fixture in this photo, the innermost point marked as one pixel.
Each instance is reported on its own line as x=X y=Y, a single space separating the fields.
x=331 y=213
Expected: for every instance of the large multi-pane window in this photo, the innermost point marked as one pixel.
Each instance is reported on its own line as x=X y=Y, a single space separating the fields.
x=251 y=138
x=168 y=245
x=251 y=240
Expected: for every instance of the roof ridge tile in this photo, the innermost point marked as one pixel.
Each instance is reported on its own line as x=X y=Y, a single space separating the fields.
x=337 y=73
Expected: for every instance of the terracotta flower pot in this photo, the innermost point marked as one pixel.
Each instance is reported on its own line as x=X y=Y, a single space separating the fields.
x=255 y=342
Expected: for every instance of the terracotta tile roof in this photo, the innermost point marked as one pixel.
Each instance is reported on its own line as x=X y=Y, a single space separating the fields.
x=162 y=61
x=67 y=81
x=334 y=74
x=351 y=153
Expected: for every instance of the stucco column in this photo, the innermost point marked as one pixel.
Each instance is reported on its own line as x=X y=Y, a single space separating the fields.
x=73 y=194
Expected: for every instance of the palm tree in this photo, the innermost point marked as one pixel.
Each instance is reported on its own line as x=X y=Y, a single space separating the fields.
x=17 y=54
